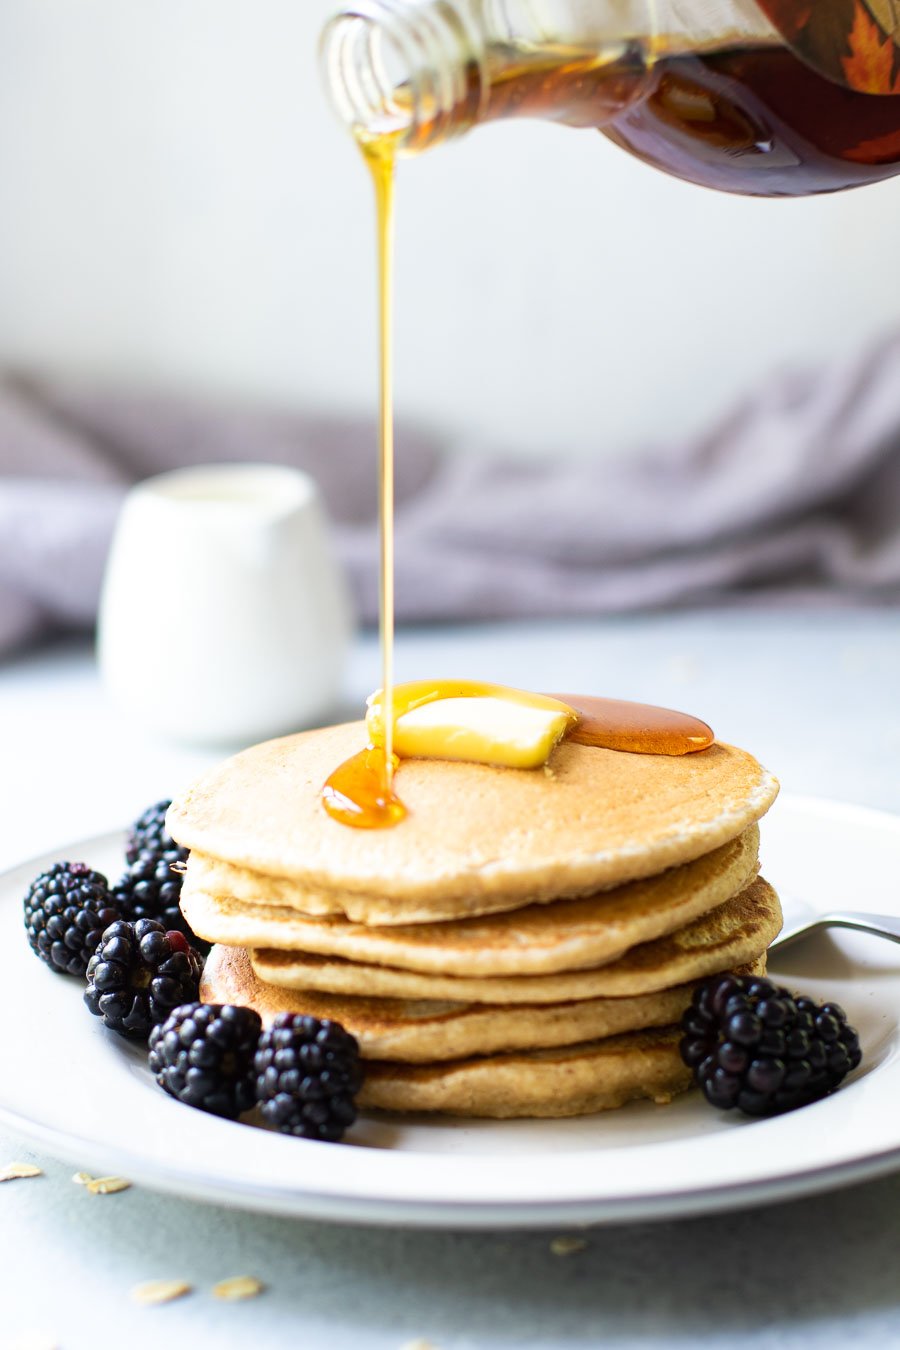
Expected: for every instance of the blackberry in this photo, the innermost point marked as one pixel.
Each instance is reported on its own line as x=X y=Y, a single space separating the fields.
x=755 y=1046
x=66 y=910
x=151 y=890
x=148 y=834
x=138 y=974
x=307 y=1075
x=202 y=1055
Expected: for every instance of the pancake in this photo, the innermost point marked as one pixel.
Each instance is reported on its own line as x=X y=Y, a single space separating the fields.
x=573 y=1081
x=422 y=1032
x=736 y=933
x=540 y=939
x=478 y=839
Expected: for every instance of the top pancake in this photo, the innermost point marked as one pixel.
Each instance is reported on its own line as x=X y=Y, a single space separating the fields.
x=478 y=839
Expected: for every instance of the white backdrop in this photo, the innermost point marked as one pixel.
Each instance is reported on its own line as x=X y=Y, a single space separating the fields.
x=179 y=208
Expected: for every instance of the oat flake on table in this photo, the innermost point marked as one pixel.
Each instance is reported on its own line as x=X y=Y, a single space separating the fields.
x=152 y=1292
x=18 y=1171
x=107 y=1185
x=101 y=1185
x=567 y=1246
x=240 y=1287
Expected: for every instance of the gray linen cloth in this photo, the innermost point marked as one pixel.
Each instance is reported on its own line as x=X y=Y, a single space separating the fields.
x=796 y=493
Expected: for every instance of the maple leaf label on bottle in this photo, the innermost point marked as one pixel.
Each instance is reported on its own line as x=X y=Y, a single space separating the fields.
x=853 y=42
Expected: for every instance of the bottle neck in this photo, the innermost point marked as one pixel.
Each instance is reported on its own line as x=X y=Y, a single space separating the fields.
x=415 y=72
x=412 y=71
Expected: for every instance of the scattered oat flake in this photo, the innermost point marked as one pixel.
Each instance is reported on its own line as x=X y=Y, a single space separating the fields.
x=241 y=1286
x=17 y=1171
x=418 y=1345
x=567 y=1246
x=106 y=1185
x=101 y=1185
x=160 y=1291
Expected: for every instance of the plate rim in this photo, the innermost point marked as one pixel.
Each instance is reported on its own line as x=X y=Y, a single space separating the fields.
x=268 y=1196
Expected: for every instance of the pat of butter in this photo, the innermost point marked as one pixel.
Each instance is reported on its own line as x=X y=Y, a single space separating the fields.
x=488 y=730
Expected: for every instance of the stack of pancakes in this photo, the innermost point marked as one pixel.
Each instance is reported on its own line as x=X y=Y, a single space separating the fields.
x=523 y=944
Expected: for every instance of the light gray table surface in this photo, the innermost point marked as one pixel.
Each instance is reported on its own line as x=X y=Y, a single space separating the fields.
x=814 y=696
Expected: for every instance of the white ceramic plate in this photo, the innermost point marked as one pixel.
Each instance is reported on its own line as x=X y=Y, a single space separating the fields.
x=85 y=1095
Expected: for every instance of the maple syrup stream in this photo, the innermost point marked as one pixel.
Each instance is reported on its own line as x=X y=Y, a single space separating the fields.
x=360 y=791
x=379 y=156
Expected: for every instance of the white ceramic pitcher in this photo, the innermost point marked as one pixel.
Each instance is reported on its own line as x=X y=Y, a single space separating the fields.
x=224 y=616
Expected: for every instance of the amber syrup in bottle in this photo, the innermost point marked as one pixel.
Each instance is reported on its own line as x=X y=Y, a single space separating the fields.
x=754 y=120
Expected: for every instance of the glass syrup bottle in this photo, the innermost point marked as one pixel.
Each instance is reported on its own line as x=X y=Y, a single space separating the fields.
x=745 y=96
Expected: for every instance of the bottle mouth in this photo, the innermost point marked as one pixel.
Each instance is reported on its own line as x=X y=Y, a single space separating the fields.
x=408 y=72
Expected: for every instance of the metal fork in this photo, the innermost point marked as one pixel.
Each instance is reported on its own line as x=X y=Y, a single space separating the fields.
x=880 y=925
